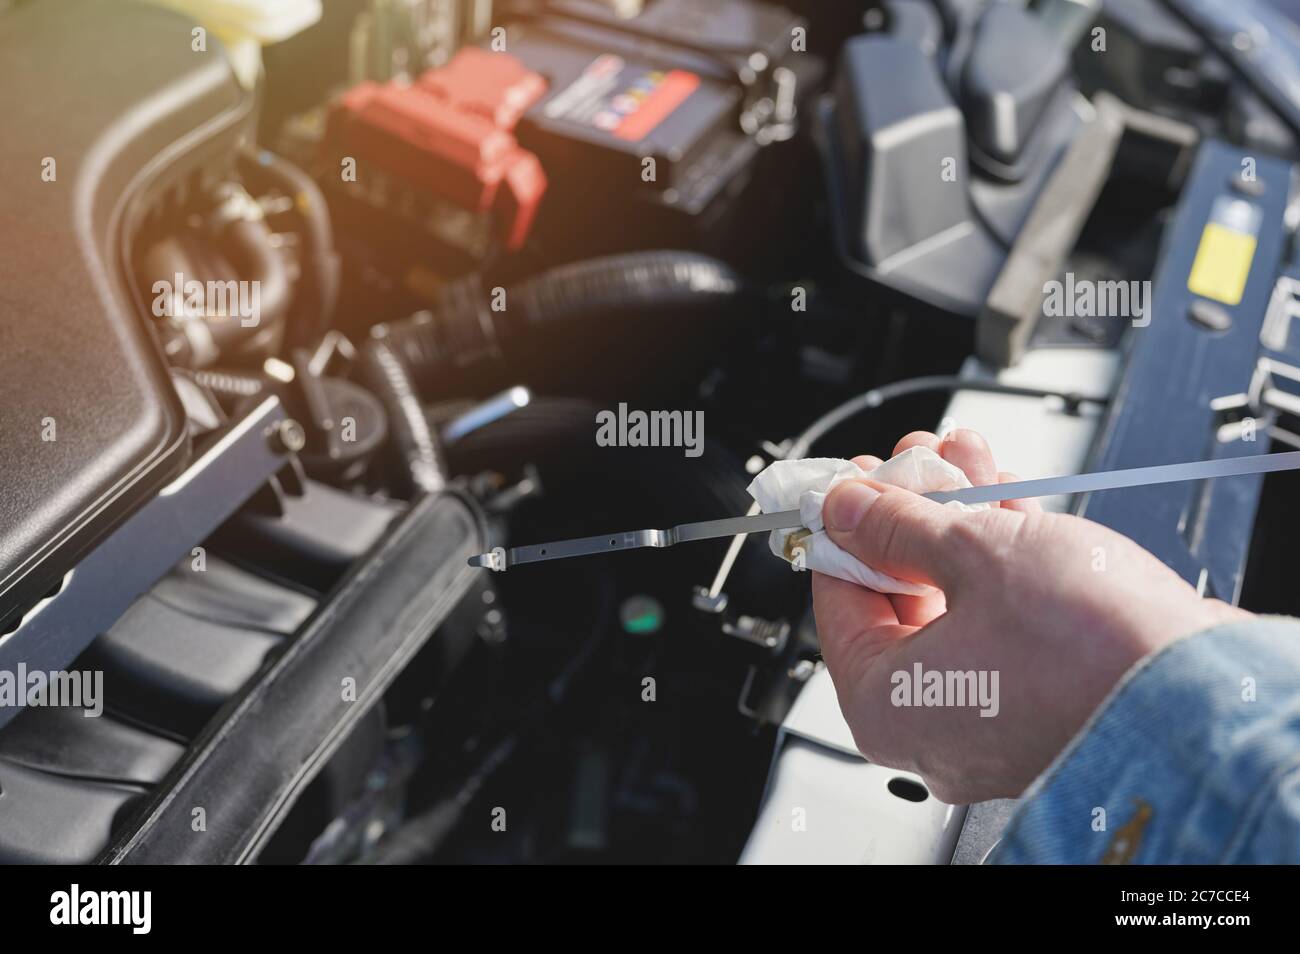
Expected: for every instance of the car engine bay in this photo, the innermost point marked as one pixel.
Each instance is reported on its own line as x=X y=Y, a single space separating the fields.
x=305 y=304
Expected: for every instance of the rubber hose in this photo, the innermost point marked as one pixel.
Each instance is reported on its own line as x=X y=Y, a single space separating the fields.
x=247 y=242
x=461 y=325
x=385 y=371
x=313 y=308
x=638 y=281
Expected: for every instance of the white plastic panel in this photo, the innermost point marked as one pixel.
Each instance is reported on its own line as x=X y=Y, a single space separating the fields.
x=826 y=804
x=826 y=807
x=1035 y=437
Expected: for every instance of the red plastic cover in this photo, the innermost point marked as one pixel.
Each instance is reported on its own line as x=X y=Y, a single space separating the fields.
x=451 y=134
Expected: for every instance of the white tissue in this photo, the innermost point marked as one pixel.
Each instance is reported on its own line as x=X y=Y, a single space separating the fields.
x=804 y=484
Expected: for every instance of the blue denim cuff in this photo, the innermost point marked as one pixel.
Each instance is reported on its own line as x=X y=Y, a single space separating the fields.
x=1194 y=758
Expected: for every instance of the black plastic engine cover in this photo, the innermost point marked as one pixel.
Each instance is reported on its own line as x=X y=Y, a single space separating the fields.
x=108 y=113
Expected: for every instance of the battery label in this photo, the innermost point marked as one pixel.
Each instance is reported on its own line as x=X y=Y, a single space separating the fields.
x=1226 y=251
x=626 y=102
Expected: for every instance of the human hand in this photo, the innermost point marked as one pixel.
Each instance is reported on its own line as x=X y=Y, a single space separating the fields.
x=1054 y=607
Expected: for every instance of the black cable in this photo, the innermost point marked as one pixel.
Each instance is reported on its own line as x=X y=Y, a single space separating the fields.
x=420 y=836
x=935 y=382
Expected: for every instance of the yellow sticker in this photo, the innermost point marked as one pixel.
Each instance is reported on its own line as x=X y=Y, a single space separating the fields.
x=1222 y=264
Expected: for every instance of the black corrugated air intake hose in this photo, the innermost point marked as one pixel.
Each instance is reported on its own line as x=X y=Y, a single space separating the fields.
x=464 y=324
x=640 y=281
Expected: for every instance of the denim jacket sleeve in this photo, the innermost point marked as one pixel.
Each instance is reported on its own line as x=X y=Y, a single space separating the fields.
x=1194 y=758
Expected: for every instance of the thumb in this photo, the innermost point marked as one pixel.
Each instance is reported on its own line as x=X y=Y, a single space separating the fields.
x=900 y=533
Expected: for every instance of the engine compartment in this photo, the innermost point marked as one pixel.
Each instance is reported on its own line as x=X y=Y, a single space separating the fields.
x=319 y=303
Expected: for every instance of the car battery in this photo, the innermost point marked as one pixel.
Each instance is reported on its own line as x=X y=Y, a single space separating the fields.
x=651 y=119
x=757 y=45
x=441 y=150
x=617 y=122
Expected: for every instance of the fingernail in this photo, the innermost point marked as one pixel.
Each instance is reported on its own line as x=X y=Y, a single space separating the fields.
x=847 y=505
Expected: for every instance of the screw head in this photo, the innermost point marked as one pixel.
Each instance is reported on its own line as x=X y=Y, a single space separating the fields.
x=288 y=436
